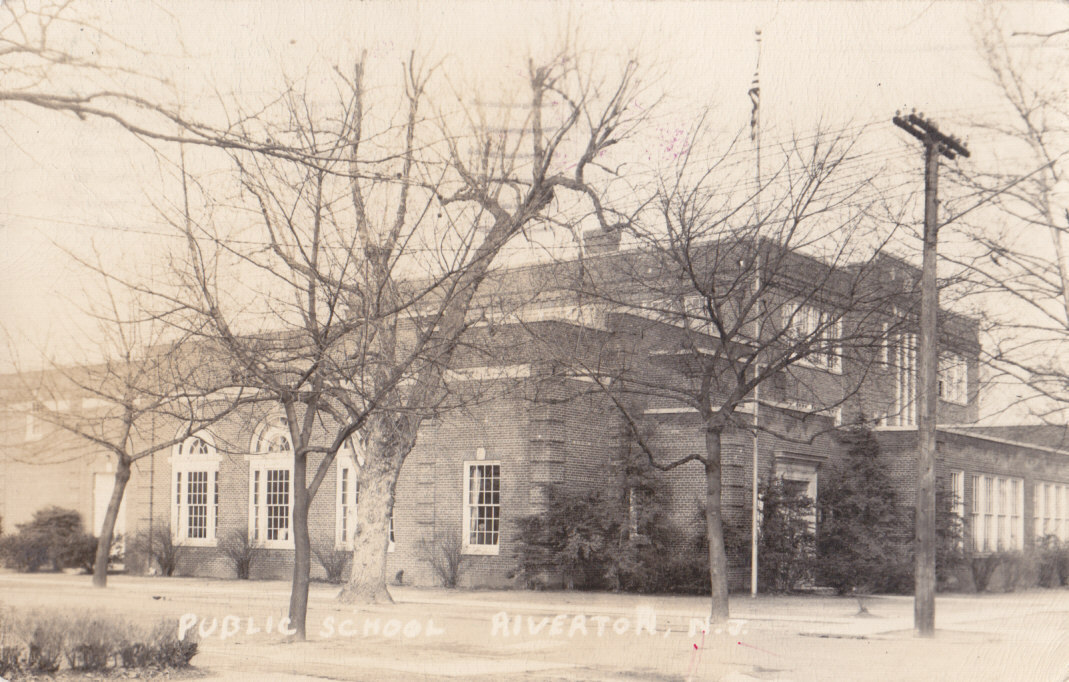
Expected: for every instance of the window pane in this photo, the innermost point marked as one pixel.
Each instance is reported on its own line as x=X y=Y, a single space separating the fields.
x=277 y=499
x=484 y=504
x=347 y=496
x=256 y=505
x=197 y=505
x=215 y=529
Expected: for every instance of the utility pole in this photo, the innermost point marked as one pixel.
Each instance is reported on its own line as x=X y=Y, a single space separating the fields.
x=755 y=136
x=935 y=144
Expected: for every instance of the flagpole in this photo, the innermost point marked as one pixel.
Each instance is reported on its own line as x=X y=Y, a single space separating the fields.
x=755 y=136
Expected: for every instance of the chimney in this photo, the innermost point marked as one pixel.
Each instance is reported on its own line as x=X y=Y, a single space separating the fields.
x=598 y=241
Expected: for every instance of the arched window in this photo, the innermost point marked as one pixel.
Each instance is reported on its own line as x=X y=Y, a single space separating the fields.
x=195 y=477
x=272 y=435
x=270 y=484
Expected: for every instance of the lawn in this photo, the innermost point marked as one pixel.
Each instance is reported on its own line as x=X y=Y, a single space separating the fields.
x=458 y=635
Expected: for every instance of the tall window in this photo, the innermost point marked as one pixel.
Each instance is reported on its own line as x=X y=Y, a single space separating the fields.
x=1016 y=513
x=990 y=539
x=1051 y=510
x=348 y=497
x=953 y=379
x=998 y=513
x=808 y=325
x=482 y=507
x=270 y=485
x=885 y=344
x=903 y=411
x=957 y=490
x=1065 y=512
x=33 y=422
x=195 y=476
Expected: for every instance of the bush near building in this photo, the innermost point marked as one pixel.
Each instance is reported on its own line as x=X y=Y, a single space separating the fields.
x=1044 y=565
x=159 y=548
x=865 y=541
x=593 y=541
x=54 y=538
x=787 y=543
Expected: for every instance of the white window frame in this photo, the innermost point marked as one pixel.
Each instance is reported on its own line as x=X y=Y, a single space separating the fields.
x=34 y=432
x=804 y=321
x=997 y=513
x=1050 y=505
x=1038 y=506
x=271 y=454
x=1065 y=513
x=1017 y=522
x=904 y=409
x=957 y=490
x=885 y=344
x=347 y=497
x=990 y=531
x=194 y=455
x=471 y=504
x=953 y=379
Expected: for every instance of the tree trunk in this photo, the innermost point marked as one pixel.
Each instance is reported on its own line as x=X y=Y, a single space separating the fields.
x=302 y=549
x=714 y=523
x=383 y=455
x=100 y=565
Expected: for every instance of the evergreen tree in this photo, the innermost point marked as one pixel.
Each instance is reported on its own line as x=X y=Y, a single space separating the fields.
x=786 y=547
x=863 y=537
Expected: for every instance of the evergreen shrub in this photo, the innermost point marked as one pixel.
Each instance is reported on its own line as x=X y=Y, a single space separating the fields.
x=865 y=536
x=53 y=538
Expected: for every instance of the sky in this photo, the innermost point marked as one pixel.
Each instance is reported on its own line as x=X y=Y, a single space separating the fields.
x=87 y=187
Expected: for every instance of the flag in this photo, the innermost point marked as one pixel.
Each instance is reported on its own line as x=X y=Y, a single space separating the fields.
x=755 y=90
x=755 y=98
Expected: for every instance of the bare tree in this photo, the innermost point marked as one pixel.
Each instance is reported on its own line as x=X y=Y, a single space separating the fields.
x=385 y=281
x=1018 y=263
x=738 y=296
x=376 y=235
x=151 y=381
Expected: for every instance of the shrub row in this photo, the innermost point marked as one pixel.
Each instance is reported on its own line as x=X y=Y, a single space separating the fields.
x=1047 y=565
x=45 y=642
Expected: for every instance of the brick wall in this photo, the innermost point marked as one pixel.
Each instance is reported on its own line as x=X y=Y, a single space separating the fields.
x=973 y=455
